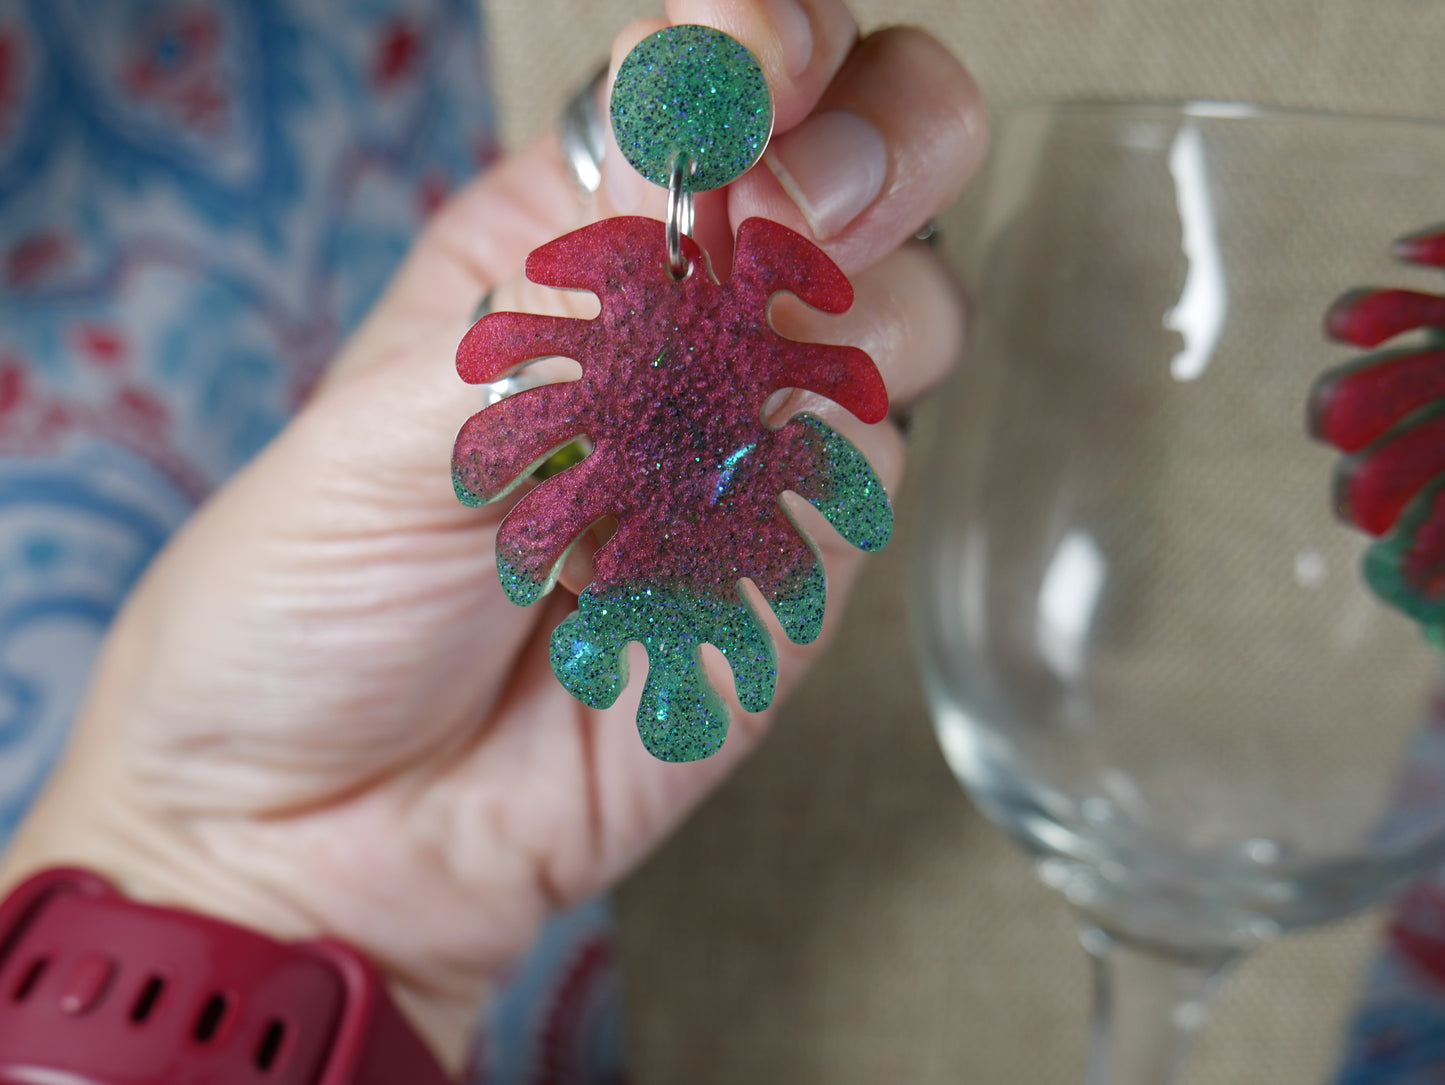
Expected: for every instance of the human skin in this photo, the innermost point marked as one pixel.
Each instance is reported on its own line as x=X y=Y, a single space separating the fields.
x=318 y=714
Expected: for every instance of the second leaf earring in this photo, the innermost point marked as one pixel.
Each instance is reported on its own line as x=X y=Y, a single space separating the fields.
x=676 y=370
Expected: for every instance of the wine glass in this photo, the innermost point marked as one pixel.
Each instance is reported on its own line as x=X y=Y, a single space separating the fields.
x=1150 y=655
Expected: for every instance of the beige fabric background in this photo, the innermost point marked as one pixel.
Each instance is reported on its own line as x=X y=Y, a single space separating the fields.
x=838 y=913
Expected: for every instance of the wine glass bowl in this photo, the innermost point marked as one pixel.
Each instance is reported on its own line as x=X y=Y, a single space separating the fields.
x=1149 y=652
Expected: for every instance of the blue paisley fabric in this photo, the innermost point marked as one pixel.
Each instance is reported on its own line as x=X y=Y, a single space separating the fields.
x=198 y=200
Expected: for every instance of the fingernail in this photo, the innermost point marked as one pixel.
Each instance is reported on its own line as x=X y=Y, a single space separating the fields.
x=833 y=166
x=795 y=33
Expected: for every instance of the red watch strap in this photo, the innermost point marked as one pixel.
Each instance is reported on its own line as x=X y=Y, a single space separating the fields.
x=98 y=989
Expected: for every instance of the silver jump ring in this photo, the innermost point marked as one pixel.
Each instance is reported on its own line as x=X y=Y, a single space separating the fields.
x=680 y=208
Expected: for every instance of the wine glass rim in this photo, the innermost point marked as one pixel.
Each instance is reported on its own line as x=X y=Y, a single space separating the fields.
x=1221 y=109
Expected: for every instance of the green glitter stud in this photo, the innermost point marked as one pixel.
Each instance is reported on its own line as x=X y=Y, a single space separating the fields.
x=695 y=91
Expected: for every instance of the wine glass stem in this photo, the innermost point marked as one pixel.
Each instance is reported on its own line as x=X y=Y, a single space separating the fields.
x=1148 y=1004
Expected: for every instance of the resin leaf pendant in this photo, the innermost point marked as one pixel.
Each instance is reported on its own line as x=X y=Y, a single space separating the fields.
x=1387 y=412
x=675 y=375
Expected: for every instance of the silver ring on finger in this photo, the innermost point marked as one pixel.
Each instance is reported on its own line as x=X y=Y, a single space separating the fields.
x=583 y=135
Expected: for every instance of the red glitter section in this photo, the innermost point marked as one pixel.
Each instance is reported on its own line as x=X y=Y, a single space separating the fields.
x=1366 y=318
x=1354 y=406
x=1359 y=408
x=1427 y=247
x=675 y=375
x=1376 y=486
x=1423 y=562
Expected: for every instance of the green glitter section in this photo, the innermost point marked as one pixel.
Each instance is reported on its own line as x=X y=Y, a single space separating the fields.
x=849 y=493
x=681 y=717
x=519 y=586
x=799 y=607
x=464 y=495
x=694 y=90
x=524 y=589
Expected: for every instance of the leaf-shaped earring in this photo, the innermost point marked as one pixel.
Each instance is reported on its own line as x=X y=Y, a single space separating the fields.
x=676 y=370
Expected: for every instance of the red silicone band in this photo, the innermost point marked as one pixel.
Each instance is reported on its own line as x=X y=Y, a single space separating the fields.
x=98 y=989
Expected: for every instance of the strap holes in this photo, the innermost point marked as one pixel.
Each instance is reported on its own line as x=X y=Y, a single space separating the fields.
x=210 y=1020
x=146 y=1001
x=270 y=1045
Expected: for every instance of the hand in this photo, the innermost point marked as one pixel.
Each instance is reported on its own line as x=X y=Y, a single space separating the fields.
x=318 y=713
